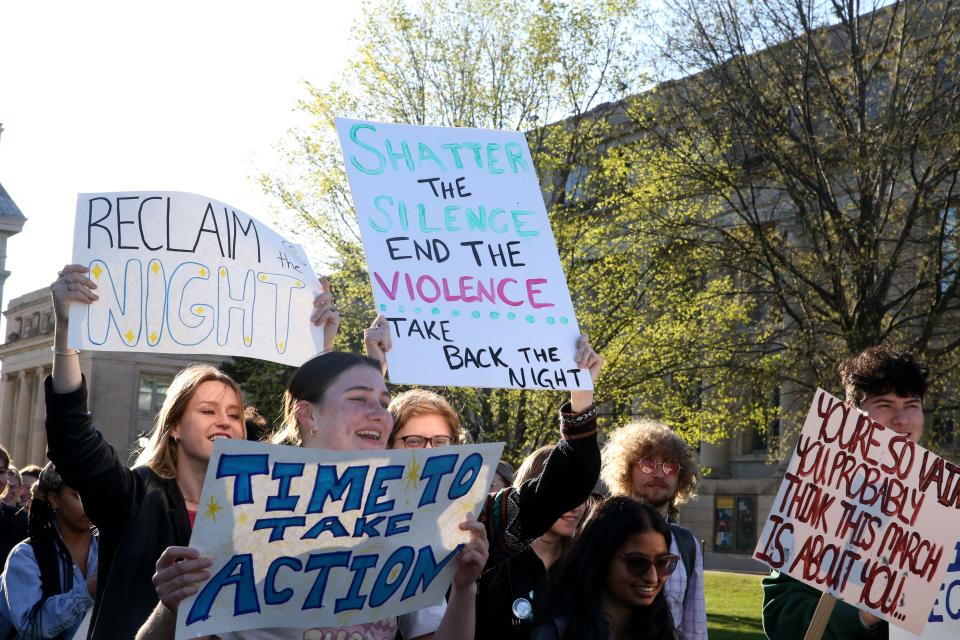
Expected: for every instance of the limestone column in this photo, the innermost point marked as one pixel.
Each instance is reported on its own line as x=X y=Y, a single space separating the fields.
x=21 y=420
x=7 y=404
x=38 y=430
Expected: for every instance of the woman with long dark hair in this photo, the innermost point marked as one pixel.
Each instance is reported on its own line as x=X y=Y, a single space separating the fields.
x=50 y=578
x=610 y=585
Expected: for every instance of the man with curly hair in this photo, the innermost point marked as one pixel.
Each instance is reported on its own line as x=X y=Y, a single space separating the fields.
x=648 y=461
x=888 y=385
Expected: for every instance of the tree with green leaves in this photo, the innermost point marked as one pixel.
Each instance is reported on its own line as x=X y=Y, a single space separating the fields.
x=811 y=153
x=560 y=72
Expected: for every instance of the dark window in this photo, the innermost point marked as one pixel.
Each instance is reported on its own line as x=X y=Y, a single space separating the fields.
x=735 y=524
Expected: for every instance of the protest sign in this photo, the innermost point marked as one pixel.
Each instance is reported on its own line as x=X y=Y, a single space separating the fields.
x=943 y=622
x=860 y=515
x=181 y=273
x=310 y=538
x=461 y=256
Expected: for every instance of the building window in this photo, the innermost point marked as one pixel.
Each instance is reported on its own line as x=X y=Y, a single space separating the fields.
x=153 y=389
x=735 y=524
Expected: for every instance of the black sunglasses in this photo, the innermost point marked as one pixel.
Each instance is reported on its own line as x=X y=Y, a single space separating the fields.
x=639 y=565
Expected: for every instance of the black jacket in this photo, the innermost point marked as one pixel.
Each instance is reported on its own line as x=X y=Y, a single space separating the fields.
x=139 y=514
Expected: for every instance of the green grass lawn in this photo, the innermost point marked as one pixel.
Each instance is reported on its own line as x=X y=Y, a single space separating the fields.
x=733 y=605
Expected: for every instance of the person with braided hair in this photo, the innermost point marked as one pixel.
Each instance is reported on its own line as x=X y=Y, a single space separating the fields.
x=49 y=579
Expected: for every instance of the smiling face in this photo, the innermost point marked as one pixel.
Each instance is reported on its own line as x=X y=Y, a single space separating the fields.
x=624 y=590
x=212 y=412
x=351 y=415
x=657 y=488
x=426 y=426
x=903 y=415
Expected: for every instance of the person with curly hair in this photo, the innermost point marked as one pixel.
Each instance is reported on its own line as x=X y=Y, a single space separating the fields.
x=888 y=384
x=610 y=586
x=648 y=461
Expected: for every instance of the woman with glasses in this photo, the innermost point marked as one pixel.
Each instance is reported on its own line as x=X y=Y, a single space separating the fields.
x=648 y=461
x=610 y=585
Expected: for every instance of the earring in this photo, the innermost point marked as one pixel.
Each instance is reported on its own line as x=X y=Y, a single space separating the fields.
x=176 y=439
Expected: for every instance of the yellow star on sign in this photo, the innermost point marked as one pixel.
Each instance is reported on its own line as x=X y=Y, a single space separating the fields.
x=412 y=476
x=155 y=267
x=242 y=518
x=199 y=310
x=213 y=509
x=263 y=277
x=299 y=284
x=203 y=272
x=223 y=271
x=280 y=346
x=97 y=270
x=129 y=335
x=246 y=339
x=153 y=337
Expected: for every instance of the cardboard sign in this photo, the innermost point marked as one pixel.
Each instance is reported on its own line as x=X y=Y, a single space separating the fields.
x=461 y=257
x=310 y=538
x=944 y=620
x=861 y=515
x=181 y=273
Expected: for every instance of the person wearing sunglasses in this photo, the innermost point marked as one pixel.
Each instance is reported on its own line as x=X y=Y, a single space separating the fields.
x=648 y=461
x=610 y=585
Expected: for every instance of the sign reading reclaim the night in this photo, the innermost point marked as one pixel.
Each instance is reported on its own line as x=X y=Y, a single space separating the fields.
x=182 y=273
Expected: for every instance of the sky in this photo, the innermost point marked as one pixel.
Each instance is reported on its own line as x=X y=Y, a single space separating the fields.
x=182 y=96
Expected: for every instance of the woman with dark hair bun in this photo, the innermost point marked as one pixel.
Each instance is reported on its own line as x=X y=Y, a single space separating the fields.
x=49 y=580
x=610 y=585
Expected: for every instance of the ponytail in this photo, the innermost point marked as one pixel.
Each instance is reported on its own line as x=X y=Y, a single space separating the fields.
x=53 y=557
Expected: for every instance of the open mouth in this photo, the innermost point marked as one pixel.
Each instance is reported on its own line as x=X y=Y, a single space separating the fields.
x=224 y=436
x=372 y=436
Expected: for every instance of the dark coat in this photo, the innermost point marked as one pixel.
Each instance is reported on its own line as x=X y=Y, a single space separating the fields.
x=138 y=513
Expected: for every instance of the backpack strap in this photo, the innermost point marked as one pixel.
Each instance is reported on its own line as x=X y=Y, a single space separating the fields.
x=687 y=545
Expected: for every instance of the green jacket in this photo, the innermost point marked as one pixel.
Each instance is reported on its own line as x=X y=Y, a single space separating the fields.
x=788 y=607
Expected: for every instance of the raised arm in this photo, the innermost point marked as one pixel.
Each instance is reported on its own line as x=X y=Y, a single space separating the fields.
x=514 y=517
x=86 y=462
x=377 y=341
x=71 y=285
x=325 y=314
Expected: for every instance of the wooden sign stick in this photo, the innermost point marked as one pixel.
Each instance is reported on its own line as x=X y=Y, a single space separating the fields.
x=821 y=615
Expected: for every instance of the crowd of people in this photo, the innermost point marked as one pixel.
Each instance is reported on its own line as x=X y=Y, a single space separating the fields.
x=579 y=543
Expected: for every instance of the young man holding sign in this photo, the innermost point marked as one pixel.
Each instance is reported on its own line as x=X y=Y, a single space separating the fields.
x=888 y=386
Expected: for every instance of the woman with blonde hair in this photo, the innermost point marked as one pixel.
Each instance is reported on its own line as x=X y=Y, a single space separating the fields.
x=140 y=512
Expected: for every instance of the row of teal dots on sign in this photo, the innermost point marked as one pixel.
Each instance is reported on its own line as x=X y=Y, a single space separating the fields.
x=493 y=315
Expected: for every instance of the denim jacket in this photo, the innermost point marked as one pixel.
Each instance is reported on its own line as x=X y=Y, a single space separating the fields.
x=20 y=590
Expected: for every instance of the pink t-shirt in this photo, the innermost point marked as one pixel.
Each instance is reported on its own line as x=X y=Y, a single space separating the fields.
x=381 y=630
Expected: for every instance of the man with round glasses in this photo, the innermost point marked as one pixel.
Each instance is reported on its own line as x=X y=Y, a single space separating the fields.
x=648 y=461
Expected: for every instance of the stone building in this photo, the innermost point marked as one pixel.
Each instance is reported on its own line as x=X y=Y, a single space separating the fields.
x=125 y=389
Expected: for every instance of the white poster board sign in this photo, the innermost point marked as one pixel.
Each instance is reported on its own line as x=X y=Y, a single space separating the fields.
x=861 y=515
x=461 y=256
x=311 y=538
x=182 y=273
x=944 y=620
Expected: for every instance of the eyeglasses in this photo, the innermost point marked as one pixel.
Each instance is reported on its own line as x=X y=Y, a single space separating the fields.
x=419 y=442
x=639 y=565
x=649 y=465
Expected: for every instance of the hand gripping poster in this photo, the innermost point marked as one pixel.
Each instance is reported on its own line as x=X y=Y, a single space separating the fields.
x=865 y=515
x=183 y=273
x=461 y=256
x=309 y=538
